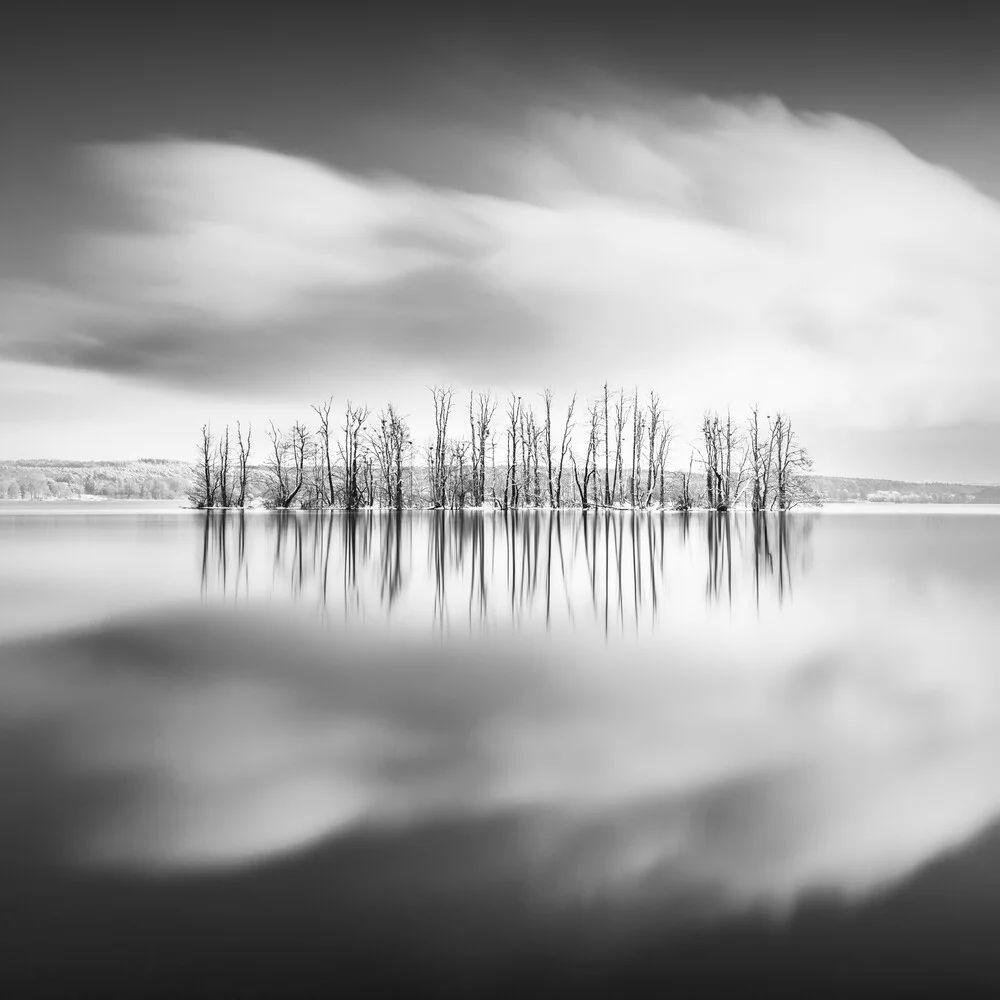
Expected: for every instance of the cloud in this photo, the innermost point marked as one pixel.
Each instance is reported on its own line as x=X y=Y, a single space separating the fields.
x=723 y=251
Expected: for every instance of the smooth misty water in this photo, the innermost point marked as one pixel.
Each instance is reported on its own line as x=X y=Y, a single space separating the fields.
x=290 y=755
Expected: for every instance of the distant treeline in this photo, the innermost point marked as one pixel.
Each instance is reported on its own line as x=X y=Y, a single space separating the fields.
x=162 y=479
x=844 y=489
x=146 y=479
x=610 y=452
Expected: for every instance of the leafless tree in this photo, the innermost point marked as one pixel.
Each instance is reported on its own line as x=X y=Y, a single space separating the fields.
x=226 y=486
x=761 y=453
x=459 y=473
x=607 y=450
x=389 y=440
x=583 y=485
x=510 y=488
x=659 y=436
x=244 y=463
x=547 y=407
x=300 y=450
x=314 y=492
x=791 y=462
x=711 y=460
x=725 y=459
x=438 y=456
x=352 y=456
x=621 y=419
x=564 y=450
x=287 y=465
x=479 y=431
x=326 y=436
x=531 y=435
x=636 y=498
x=204 y=489
x=684 y=499
x=367 y=480
x=493 y=479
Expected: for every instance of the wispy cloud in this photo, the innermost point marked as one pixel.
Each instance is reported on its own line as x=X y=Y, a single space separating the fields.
x=724 y=251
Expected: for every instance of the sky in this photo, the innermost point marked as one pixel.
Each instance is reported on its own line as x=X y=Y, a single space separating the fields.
x=211 y=216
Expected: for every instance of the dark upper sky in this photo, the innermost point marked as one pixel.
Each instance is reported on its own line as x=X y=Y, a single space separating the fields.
x=303 y=76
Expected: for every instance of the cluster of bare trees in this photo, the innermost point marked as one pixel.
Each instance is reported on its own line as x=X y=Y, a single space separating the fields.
x=761 y=466
x=634 y=478
x=222 y=477
x=530 y=455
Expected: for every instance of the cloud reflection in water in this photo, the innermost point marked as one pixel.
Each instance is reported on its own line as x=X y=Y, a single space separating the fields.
x=833 y=746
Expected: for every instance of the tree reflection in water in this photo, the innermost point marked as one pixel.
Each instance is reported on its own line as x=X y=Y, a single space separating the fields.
x=492 y=570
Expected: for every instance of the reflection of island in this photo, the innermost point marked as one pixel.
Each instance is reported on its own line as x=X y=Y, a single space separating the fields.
x=777 y=541
x=223 y=542
x=513 y=567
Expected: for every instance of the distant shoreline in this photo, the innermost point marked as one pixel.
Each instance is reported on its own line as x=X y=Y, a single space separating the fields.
x=111 y=505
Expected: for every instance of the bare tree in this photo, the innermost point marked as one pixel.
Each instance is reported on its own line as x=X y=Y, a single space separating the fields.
x=547 y=406
x=564 y=448
x=389 y=440
x=791 y=462
x=457 y=466
x=367 y=480
x=607 y=451
x=351 y=454
x=638 y=439
x=287 y=464
x=662 y=448
x=438 y=457
x=531 y=435
x=684 y=500
x=314 y=493
x=735 y=465
x=205 y=486
x=244 y=463
x=226 y=488
x=493 y=466
x=510 y=488
x=761 y=452
x=659 y=436
x=325 y=437
x=725 y=459
x=621 y=419
x=590 y=457
x=711 y=460
x=300 y=448
x=479 y=429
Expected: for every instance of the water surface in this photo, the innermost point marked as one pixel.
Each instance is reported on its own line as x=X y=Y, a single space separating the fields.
x=280 y=754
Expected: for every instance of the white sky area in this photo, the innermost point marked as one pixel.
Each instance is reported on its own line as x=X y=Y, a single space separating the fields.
x=719 y=252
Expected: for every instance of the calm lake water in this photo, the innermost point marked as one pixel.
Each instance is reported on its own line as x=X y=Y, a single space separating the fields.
x=283 y=756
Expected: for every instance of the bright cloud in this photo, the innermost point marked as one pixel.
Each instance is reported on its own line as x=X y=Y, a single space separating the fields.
x=720 y=251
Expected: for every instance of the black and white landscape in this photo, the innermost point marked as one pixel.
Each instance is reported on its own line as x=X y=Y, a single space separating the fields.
x=499 y=499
